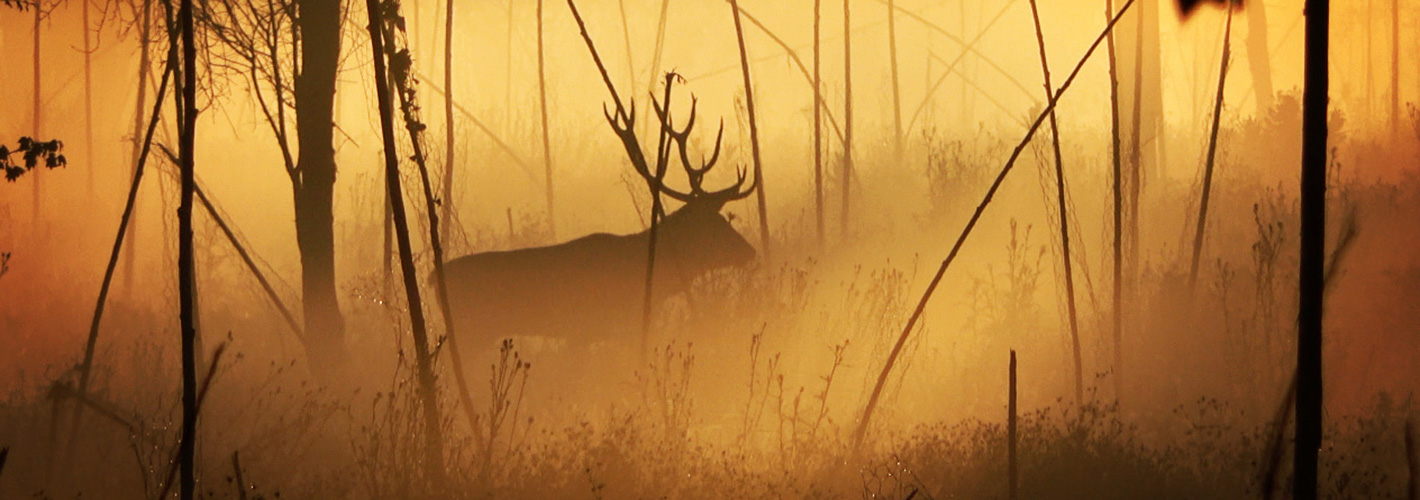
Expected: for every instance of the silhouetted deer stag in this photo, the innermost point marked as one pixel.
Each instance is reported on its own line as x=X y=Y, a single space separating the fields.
x=592 y=288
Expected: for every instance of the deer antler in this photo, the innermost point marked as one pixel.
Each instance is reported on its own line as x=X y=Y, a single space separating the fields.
x=623 y=123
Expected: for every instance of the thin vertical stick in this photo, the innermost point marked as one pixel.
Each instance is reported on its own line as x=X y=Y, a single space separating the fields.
x=1212 y=151
x=186 y=275
x=896 y=89
x=427 y=393
x=1313 y=247
x=447 y=206
x=818 y=130
x=847 y=174
x=88 y=96
x=764 y=241
x=237 y=473
x=866 y=419
x=1012 y=464
x=1116 y=313
x=542 y=108
x=1064 y=219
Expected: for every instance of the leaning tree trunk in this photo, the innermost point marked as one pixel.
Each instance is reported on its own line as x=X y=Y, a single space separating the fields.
x=314 y=183
x=428 y=395
x=1064 y=215
x=764 y=240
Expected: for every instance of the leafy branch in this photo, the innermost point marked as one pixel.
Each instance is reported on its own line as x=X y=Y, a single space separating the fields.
x=32 y=151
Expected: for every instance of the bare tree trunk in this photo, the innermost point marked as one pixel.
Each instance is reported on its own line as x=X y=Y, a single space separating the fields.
x=896 y=89
x=542 y=108
x=508 y=62
x=1212 y=152
x=1313 y=247
x=314 y=183
x=847 y=118
x=427 y=393
x=1136 y=159
x=447 y=206
x=88 y=97
x=818 y=130
x=187 y=278
x=143 y=62
x=764 y=240
x=660 y=45
x=1064 y=215
x=1116 y=313
x=1258 y=55
x=36 y=116
x=625 y=37
x=1395 y=68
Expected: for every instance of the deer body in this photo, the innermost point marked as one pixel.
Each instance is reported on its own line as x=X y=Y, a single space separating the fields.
x=590 y=288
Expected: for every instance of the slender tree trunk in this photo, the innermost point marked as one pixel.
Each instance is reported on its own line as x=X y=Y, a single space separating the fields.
x=1258 y=55
x=1067 y=265
x=655 y=69
x=144 y=32
x=88 y=97
x=1313 y=248
x=1116 y=312
x=625 y=37
x=448 y=204
x=1136 y=167
x=36 y=116
x=1212 y=152
x=818 y=130
x=847 y=174
x=1395 y=68
x=186 y=276
x=427 y=393
x=764 y=240
x=508 y=62
x=896 y=89
x=1012 y=469
x=542 y=108
x=314 y=186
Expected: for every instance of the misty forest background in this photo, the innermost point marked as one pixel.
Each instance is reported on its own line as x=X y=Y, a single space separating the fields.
x=1166 y=373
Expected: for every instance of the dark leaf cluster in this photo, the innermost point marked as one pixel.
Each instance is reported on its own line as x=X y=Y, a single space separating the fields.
x=32 y=152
